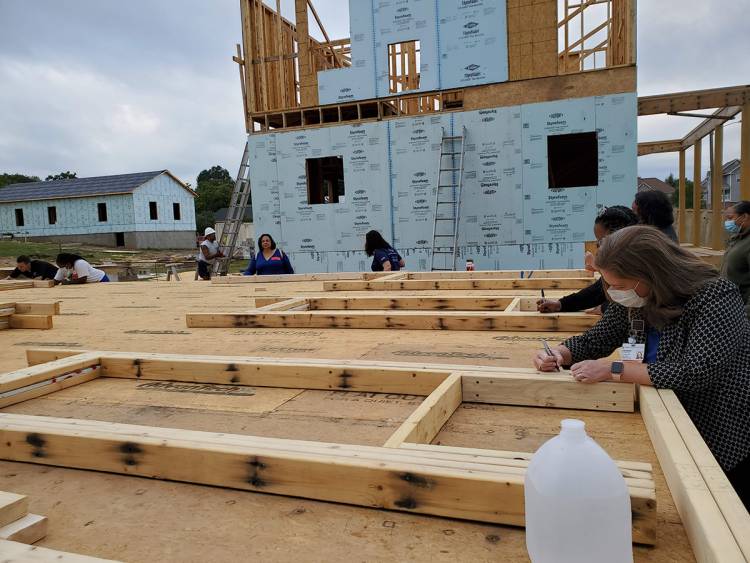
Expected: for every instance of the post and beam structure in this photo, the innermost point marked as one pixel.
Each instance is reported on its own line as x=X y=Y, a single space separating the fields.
x=697 y=155
x=717 y=190
x=682 y=201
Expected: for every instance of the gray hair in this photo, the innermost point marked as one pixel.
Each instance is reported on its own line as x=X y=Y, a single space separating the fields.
x=674 y=274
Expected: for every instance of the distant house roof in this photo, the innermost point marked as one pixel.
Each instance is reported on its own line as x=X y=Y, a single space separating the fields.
x=221 y=214
x=645 y=184
x=82 y=187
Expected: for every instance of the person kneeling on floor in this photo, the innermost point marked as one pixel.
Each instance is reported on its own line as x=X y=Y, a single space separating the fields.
x=209 y=252
x=75 y=270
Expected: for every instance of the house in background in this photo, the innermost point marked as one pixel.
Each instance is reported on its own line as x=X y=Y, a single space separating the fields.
x=245 y=237
x=140 y=210
x=646 y=184
x=730 y=182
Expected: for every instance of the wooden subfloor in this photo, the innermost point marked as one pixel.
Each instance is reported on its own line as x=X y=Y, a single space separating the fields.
x=135 y=519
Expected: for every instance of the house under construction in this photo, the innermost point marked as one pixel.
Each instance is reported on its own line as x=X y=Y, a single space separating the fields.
x=484 y=129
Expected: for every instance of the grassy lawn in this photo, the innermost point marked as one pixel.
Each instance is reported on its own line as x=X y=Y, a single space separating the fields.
x=10 y=249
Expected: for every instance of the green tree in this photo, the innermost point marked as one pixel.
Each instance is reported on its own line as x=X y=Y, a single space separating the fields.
x=7 y=179
x=67 y=175
x=214 y=187
x=675 y=183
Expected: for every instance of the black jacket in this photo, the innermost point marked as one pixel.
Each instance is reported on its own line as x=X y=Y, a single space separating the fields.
x=587 y=298
x=704 y=356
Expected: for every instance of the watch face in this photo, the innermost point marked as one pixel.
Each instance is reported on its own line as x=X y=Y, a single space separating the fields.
x=617 y=367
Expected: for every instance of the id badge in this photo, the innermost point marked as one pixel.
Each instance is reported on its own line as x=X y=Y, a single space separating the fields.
x=632 y=351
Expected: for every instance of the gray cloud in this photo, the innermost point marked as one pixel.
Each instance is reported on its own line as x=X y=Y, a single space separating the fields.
x=105 y=87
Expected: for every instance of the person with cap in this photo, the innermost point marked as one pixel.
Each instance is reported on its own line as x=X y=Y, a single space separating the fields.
x=209 y=252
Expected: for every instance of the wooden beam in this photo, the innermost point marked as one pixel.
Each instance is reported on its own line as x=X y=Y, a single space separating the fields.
x=655 y=147
x=29 y=529
x=745 y=153
x=407 y=320
x=717 y=190
x=42 y=322
x=546 y=390
x=458 y=284
x=707 y=126
x=31 y=375
x=38 y=308
x=325 y=33
x=697 y=192
x=709 y=535
x=426 y=421
x=223 y=280
x=410 y=303
x=682 y=200
x=242 y=462
x=308 y=80
x=696 y=99
x=16 y=552
x=730 y=505
x=12 y=507
x=499 y=274
x=47 y=386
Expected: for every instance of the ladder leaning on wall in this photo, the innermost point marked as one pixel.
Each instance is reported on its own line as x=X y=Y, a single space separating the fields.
x=235 y=214
x=448 y=202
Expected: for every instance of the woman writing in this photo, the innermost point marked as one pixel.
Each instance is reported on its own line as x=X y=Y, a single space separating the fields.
x=736 y=264
x=384 y=256
x=74 y=270
x=270 y=260
x=610 y=220
x=690 y=328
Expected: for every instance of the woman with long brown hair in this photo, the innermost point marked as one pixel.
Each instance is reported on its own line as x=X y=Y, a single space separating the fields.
x=681 y=327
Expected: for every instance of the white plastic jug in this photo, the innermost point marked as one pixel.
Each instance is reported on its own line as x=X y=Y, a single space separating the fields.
x=577 y=502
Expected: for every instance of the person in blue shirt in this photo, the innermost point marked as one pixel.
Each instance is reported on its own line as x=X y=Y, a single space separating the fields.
x=384 y=257
x=269 y=260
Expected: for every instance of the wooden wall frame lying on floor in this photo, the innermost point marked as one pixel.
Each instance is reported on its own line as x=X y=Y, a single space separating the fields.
x=411 y=475
x=413 y=313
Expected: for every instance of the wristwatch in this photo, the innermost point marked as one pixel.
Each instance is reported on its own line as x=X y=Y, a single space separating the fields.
x=616 y=370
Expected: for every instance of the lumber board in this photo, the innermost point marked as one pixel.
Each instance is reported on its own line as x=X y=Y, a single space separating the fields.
x=42 y=322
x=38 y=308
x=272 y=373
x=225 y=280
x=474 y=303
x=46 y=387
x=730 y=505
x=10 y=285
x=459 y=284
x=499 y=274
x=408 y=320
x=29 y=529
x=547 y=390
x=41 y=372
x=235 y=462
x=12 y=507
x=44 y=283
x=289 y=304
x=707 y=530
x=429 y=417
x=16 y=552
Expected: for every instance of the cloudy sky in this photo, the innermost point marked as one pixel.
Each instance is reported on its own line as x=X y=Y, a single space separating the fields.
x=105 y=87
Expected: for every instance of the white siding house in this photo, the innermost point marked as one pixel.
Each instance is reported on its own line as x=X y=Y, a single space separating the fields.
x=141 y=210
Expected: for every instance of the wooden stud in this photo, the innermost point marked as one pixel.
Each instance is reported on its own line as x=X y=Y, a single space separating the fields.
x=709 y=535
x=697 y=195
x=29 y=529
x=694 y=100
x=408 y=320
x=459 y=284
x=31 y=375
x=717 y=191
x=54 y=384
x=43 y=322
x=546 y=390
x=38 y=308
x=16 y=552
x=237 y=461
x=730 y=505
x=426 y=421
x=478 y=303
x=681 y=211
x=12 y=507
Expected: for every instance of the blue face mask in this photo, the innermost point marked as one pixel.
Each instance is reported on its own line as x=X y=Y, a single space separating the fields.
x=731 y=227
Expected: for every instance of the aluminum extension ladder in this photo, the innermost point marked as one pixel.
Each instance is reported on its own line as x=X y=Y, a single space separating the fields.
x=235 y=214
x=448 y=203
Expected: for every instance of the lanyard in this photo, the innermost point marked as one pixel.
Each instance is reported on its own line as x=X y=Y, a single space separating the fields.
x=637 y=328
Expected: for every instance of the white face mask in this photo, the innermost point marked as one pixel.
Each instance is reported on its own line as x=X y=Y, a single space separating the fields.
x=627 y=297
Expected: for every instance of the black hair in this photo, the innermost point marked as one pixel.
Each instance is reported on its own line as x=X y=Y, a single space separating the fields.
x=23 y=258
x=260 y=238
x=654 y=208
x=616 y=217
x=740 y=208
x=373 y=241
x=64 y=259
